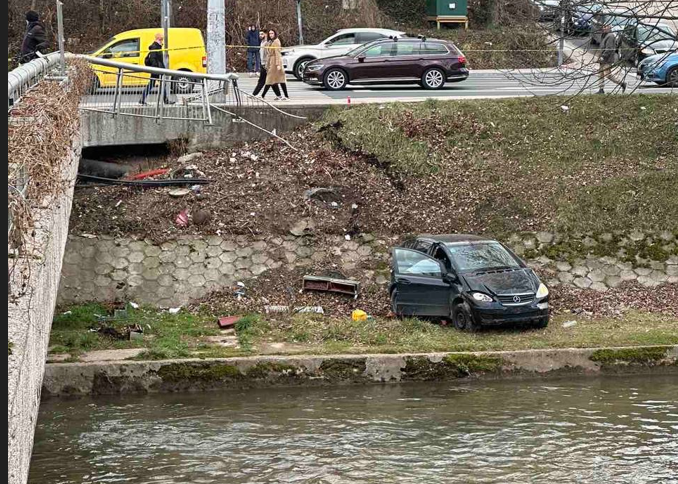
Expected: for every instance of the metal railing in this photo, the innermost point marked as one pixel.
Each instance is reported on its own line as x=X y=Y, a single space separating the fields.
x=26 y=76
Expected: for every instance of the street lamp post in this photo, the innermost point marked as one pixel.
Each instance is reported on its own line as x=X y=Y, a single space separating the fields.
x=301 y=33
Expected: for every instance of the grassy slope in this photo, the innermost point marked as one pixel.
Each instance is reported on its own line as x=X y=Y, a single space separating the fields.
x=608 y=163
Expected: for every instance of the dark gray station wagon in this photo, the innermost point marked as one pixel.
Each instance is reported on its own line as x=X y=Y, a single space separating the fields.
x=430 y=63
x=471 y=280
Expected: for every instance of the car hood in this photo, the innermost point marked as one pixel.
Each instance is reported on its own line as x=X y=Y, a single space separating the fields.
x=518 y=281
x=657 y=60
x=300 y=47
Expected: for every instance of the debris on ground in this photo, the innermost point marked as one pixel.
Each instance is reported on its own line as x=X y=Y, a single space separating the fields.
x=175 y=310
x=226 y=322
x=359 y=315
x=329 y=284
x=569 y=324
x=310 y=309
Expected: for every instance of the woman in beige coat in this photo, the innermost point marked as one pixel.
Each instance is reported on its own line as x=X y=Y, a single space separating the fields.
x=275 y=73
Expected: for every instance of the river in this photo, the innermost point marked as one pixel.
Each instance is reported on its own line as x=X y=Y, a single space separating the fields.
x=590 y=430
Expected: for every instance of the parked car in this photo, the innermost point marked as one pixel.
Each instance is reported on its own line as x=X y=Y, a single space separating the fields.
x=345 y=40
x=472 y=280
x=661 y=69
x=131 y=47
x=616 y=19
x=426 y=61
x=643 y=39
x=582 y=16
x=549 y=10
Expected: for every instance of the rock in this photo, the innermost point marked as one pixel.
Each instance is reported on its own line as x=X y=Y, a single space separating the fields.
x=597 y=275
x=636 y=236
x=580 y=271
x=589 y=242
x=565 y=277
x=201 y=217
x=643 y=271
x=189 y=157
x=598 y=286
x=611 y=270
x=530 y=244
x=666 y=236
x=613 y=281
x=582 y=282
x=628 y=275
x=302 y=227
x=564 y=266
x=545 y=237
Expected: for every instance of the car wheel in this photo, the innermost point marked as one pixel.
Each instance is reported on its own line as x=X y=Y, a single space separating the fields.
x=462 y=318
x=182 y=84
x=542 y=323
x=394 y=303
x=433 y=79
x=300 y=66
x=335 y=80
x=672 y=77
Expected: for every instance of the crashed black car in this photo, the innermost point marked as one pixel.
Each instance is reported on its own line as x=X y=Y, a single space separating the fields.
x=471 y=280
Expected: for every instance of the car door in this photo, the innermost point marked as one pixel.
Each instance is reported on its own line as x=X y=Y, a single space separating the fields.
x=126 y=51
x=406 y=61
x=373 y=63
x=418 y=284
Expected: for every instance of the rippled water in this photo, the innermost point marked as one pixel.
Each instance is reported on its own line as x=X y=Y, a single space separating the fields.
x=612 y=430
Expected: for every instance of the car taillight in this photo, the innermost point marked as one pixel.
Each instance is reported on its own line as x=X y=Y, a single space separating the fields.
x=462 y=59
x=204 y=61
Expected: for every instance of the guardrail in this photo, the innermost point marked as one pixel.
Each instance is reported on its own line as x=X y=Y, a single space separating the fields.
x=26 y=76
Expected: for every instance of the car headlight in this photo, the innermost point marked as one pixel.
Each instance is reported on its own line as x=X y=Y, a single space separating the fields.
x=479 y=296
x=314 y=67
x=542 y=292
x=648 y=51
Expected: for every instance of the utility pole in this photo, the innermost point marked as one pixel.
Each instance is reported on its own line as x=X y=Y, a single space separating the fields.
x=216 y=37
x=561 y=42
x=301 y=33
x=60 y=35
x=166 y=15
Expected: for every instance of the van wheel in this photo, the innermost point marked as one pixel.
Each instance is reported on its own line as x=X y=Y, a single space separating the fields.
x=462 y=318
x=300 y=66
x=182 y=84
x=433 y=79
x=335 y=80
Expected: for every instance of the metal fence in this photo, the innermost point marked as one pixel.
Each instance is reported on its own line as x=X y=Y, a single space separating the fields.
x=26 y=76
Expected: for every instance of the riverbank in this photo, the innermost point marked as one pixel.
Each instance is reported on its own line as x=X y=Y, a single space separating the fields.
x=122 y=377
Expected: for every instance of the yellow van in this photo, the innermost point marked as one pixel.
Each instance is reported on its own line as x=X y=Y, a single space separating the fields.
x=186 y=53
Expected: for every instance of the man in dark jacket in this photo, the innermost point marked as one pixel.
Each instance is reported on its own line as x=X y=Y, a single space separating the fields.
x=155 y=58
x=35 y=39
x=608 y=58
x=253 y=47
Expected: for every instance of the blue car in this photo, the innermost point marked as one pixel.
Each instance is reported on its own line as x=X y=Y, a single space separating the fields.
x=661 y=69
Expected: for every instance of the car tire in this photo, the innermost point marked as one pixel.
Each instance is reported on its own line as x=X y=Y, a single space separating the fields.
x=672 y=77
x=463 y=319
x=299 y=67
x=433 y=78
x=182 y=84
x=394 y=303
x=335 y=79
x=542 y=323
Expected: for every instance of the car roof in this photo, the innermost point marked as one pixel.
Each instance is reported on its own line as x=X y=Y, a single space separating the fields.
x=452 y=238
x=367 y=29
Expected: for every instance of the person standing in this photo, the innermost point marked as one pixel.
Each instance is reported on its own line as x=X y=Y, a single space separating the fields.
x=35 y=38
x=275 y=75
x=253 y=46
x=608 y=57
x=155 y=58
x=263 y=49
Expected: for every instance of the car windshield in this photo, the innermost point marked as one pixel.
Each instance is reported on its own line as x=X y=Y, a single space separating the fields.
x=481 y=256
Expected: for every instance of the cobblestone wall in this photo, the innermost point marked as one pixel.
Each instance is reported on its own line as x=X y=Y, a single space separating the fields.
x=172 y=273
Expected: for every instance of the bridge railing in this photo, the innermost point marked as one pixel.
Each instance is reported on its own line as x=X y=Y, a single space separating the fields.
x=26 y=76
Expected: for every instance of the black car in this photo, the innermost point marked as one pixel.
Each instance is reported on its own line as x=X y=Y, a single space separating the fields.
x=472 y=280
x=428 y=62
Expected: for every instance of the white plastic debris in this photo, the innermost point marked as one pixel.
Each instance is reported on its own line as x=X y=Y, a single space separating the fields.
x=565 y=108
x=134 y=305
x=347 y=237
x=569 y=324
x=174 y=310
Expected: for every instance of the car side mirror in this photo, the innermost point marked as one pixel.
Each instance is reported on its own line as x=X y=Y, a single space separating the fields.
x=450 y=278
x=107 y=55
x=361 y=58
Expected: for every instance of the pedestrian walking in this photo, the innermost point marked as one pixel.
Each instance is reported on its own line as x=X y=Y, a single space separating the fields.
x=253 y=47
x=155 y=58
x=608 y=57
x=35 y=38
x=275 y=75
x=263 y=54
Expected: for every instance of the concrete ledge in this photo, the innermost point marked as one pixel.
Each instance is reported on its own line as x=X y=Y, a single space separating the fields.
x=122 y=377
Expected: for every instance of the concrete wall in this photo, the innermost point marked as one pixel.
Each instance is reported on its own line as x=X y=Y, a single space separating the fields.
x=103 y=129
x=123 y=377
x=29 y=321
x=169 y=274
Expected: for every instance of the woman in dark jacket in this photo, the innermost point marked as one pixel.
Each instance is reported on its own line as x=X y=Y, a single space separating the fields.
x=35 y=39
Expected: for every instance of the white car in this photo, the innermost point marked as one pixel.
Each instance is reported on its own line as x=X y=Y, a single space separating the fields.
x=295 y=58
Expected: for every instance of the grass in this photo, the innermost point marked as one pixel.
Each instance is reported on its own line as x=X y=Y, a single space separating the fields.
x=606 y=164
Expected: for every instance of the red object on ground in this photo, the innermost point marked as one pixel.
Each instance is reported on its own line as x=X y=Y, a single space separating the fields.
x=182 y=218
x=148 y=174
x=228 y=321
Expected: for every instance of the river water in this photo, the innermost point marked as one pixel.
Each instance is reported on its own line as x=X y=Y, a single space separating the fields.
x=591 y=430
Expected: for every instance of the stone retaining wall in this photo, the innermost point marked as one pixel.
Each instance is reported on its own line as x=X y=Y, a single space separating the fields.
x=264 y=371
x=172 y=273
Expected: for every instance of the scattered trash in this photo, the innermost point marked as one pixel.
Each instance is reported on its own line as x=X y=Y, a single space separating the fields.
x=148 y=174
x=325 y=195
x=240 y=292
x=359 y=315
x=118 y=204
x=310 y=309
x=347 y=237
x=302 y=227
x=569 y=324
x=276 y=309
x=67 y=313
x=201 y=217
x=196 y=189
x=179 y=192
x=134 y=305
x=565 y=108
x=88 y=236
x=174 y=310
x=189 y=157
x=118 y=315
x=329 y=284
x=226 y=322
x=182 y=218
x=136 y=335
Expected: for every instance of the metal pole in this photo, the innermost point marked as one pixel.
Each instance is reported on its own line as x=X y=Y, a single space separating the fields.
x=301 y=33
x=216 y=37
x=60 y=33
x=561 y=42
